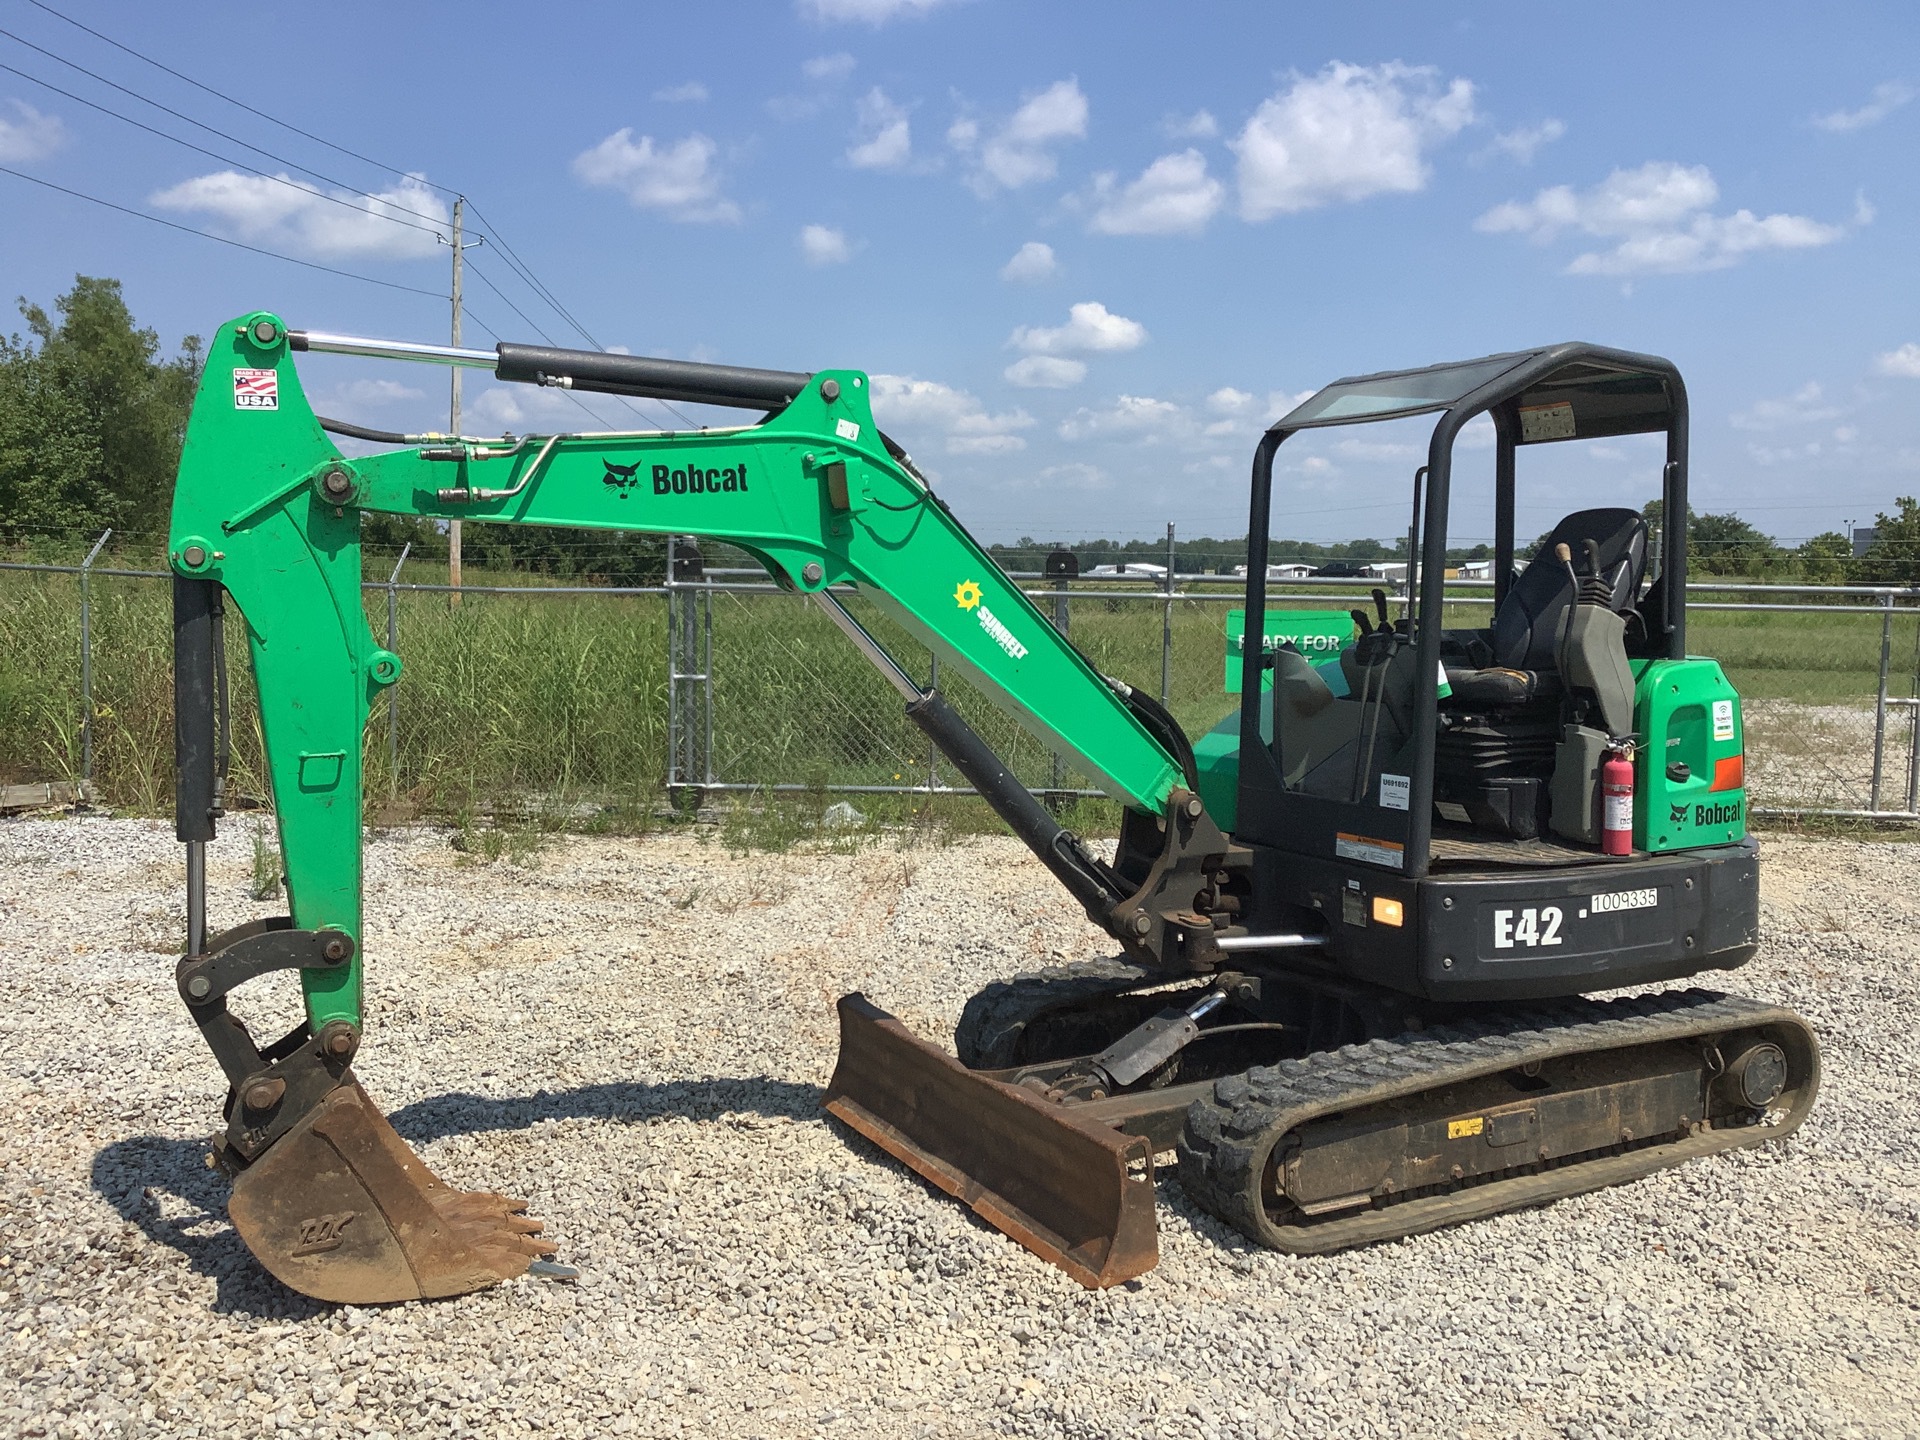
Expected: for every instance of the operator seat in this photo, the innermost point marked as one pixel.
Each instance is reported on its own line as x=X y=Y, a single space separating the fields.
x=1526 y=628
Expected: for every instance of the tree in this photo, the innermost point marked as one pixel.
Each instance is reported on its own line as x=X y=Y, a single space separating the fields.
x=1826 y=559
x=91 y=421
x=1727 y=545
x=1894 y=556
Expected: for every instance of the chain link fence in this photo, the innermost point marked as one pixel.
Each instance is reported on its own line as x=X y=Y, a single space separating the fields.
x=522 y=695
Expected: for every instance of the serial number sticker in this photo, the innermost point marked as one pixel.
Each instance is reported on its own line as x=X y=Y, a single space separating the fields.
x=1624 y=900
x=1395 y=792
x=1465 y=1129
x=846 y=429
x=256 y=389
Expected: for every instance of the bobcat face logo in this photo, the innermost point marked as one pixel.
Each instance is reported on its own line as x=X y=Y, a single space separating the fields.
x=1677 y=814
x=620 y=478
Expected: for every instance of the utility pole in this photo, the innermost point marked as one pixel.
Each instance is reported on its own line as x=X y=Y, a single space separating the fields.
x=453 y=408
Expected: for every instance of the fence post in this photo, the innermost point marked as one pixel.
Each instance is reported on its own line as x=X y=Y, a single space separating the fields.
x=1880 y=704
x=86 y=668
x=673 y=674
x=1166 y=630
x=393 y=691
x=1062 y=623
x=933 y=750
x=1913 y=727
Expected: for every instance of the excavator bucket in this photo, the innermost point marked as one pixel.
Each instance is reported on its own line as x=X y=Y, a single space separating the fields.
x=1074 y=1192
x=340 y=1208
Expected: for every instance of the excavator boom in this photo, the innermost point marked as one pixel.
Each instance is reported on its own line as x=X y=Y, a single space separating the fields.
x=267 y=512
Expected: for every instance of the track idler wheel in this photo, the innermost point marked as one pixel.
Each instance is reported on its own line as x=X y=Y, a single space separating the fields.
x=341 y=1209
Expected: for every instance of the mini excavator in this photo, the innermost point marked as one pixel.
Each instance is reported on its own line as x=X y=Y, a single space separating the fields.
x=1356 y=922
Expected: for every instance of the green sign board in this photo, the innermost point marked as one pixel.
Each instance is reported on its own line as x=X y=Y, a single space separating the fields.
x=1320 y=635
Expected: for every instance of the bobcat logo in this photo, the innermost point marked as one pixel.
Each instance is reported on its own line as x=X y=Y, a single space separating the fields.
x=620 y=478
x=1677 y=814
x=322 y=1233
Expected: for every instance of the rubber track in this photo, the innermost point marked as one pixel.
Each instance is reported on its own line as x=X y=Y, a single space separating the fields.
x=994 y=1019
x=1229 y=1137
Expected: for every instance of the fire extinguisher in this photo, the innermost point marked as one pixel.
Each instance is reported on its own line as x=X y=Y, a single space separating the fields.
x=1616 y=800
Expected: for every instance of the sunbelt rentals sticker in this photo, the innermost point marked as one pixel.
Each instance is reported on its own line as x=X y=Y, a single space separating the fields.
x=967 y=596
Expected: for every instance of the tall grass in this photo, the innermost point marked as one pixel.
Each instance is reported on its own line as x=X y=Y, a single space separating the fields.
x=529 y=704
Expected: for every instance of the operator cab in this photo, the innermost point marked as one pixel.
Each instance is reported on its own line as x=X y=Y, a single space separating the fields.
x=1432 y=740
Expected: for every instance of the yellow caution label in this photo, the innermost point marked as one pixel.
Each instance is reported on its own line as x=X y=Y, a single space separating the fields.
x=1462 y=1129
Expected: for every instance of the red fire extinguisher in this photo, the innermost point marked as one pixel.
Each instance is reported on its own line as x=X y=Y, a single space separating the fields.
x=1616 y=801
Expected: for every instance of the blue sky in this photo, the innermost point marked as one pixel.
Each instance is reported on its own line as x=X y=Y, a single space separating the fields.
x=1087 y=250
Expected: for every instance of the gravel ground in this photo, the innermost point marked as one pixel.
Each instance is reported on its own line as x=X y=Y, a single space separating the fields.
x=634 y=1035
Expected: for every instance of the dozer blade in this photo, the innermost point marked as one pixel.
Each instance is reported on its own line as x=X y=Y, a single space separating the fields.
x=340 y=1208
x=1074 y=1192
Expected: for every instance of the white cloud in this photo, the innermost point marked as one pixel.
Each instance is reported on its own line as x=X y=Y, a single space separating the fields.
x=883 y=141
x=871 y=12
x=1032 y=261
x=1524 y=143
x=372 y=392
x=1133 y=417
x=1241 y=407
x=1349 y=132
x=1090 y=327
x=904 y=406
x=828 y=67
x=293 y=215
x=1198 y=126
x=692 y=91
x=823 y=245
x=1046 y=372
x=1883 y=102
x=1659 y=216
x=1076 y=475
x=1806 y=405
x=30 y=135
x=1904 y=362
x=1173 y=196
x=1020 y=152
x=679 y=179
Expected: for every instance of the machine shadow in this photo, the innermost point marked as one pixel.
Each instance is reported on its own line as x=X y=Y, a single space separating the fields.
x=165 y=1187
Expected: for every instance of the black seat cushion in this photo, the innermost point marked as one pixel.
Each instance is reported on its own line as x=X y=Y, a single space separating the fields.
x=1526 y=627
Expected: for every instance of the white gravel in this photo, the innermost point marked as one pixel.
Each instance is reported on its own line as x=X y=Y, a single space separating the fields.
x=633 y=1034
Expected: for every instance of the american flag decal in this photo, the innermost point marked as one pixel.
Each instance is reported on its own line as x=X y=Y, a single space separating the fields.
x=256 y=389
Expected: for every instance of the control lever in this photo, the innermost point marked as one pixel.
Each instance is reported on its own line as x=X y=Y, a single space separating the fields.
x=1380 y=604
x=1362 y=622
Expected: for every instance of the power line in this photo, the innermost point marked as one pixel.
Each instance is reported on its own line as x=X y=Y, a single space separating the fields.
x=209 y=235
x=597 y=419
x=520 y=268
x=223 y=95
x=181 y=115
x=223 y=159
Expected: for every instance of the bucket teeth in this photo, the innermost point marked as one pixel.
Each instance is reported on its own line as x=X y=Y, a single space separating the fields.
x=341 y=1209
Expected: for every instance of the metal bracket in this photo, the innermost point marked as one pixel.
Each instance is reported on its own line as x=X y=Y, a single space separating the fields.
x=270 y=1089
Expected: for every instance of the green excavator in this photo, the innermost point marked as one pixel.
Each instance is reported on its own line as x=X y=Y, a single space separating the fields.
x=1355 y=922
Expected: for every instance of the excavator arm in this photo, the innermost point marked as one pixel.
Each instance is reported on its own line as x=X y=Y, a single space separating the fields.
x=267 y=511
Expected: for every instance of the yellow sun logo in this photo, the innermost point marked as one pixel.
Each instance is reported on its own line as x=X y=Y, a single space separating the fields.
x=967 y=594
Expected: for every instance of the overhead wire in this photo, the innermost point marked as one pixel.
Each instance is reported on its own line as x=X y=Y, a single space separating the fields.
x=209 y=235
x=223 y=95
x=596 y=417
x=510 y=257
x=225 y=159
x=197 y=124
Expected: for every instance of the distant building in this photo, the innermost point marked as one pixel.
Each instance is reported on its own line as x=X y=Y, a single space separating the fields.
x=1138 y=569
x=1385 y=570
x=1292 y=571
x=1476 y=569
x=1863 y=538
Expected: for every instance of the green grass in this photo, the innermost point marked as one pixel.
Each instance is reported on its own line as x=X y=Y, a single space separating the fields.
x=529 y=713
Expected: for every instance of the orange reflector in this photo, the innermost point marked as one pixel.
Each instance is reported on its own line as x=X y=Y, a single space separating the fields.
x=1387 y=912
x=1729 y=773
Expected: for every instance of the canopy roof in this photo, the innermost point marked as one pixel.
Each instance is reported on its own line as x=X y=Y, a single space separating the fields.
x=1559 y=392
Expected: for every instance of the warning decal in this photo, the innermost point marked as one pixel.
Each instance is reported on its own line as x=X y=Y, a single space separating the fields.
x=256 y=389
